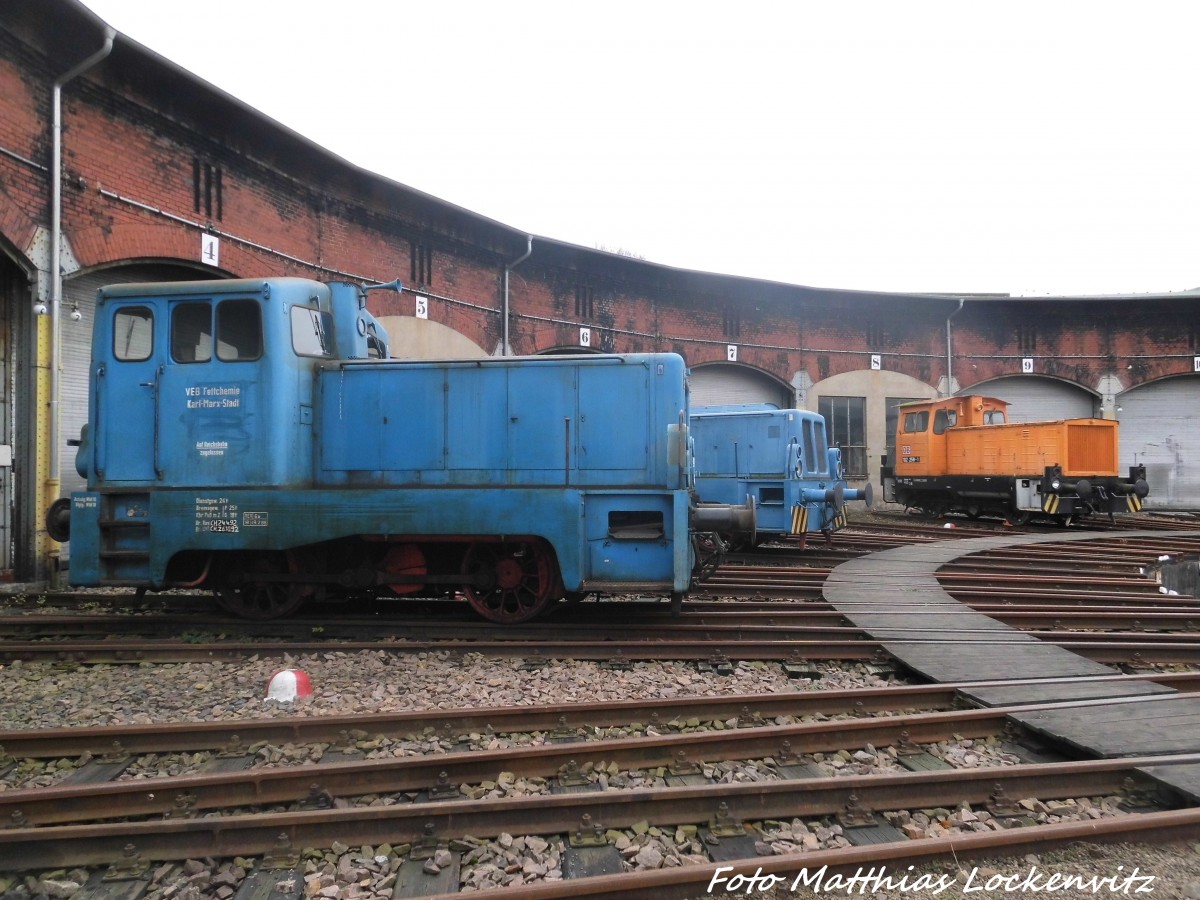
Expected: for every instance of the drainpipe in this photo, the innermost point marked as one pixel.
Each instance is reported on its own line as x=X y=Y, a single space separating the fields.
x=949 y=353
x=512 y=265
x=56 y=243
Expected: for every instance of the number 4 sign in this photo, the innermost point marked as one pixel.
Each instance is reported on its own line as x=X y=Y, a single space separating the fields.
x=210 y=249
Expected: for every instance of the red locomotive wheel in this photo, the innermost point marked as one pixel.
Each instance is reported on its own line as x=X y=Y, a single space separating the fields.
x=519 y=579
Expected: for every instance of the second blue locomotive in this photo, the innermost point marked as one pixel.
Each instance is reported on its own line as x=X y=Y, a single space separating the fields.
x=251 y=437
x=781 y=460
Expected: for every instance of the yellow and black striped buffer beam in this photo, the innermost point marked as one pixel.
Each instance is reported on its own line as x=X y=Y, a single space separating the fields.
x=799 y=519
x=1051 y=503
x=1134 y=502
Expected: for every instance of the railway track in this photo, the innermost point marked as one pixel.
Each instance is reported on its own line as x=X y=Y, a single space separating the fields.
x=445 y=794
x=1141 y=649
x=1125 y=619
x=721 y=620
x=567 y=720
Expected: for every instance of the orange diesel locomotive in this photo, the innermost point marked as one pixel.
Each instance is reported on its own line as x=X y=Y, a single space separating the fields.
x=959 y=454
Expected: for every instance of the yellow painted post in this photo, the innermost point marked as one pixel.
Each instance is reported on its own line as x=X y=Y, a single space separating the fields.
x=46 y=551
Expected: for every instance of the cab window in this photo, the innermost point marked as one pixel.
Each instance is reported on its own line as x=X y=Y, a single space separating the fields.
x=810 y=448
x=191 y=332
x=916 y=422
x=311 y=335
x=818 y=460
x=993 y=417
x=133 y=333
x=239 y=330
x=943 y=419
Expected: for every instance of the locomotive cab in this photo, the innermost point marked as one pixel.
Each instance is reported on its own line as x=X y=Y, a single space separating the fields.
x=781 y=459
x=180 y=400
x=179 y=397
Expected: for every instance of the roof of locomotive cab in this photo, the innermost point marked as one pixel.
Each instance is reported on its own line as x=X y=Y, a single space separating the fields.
x=954 y=401
x=206 y=286
x=734 y=408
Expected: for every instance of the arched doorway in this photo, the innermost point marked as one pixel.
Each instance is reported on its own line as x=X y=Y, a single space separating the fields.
x=1033 y=398
x=860 y=414
x=730 y=384
x=1158 y=431
x=413 y=338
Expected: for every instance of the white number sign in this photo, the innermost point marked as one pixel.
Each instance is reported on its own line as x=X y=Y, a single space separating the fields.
x=210 y=249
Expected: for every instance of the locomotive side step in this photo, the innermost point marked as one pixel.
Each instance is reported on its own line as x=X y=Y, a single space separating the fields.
x=625 y=587
x=124 y=546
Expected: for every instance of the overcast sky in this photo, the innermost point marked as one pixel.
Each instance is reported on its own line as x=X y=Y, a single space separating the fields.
x=1020 y=147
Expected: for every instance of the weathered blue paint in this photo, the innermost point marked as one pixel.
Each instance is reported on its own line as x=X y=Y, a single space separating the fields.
x=230 y=418
x=779 y=457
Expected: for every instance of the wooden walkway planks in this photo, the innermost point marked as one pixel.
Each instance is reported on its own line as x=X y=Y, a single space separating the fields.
x=1058 y=691
x=960 y=659
x=895 y=597
x=1185 y=779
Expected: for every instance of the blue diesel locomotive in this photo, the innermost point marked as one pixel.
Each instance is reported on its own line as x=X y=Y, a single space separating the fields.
x=251 y=437
x=780 y=459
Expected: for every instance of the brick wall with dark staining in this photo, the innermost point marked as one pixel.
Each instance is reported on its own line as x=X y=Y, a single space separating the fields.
x=24 y=131
x=822 y=366
x=135 y=129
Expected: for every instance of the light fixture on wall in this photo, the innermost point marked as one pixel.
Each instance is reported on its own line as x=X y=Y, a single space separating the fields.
x=76 y=315
x=39 y=308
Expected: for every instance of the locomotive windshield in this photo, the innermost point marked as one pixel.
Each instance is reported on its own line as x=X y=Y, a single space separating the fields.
x=311 y=332
x=239 y=331
x=817 y=459
x=916 y=422
x=943 y=419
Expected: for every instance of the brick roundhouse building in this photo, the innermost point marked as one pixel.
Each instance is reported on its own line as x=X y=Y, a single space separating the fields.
x=161 y=176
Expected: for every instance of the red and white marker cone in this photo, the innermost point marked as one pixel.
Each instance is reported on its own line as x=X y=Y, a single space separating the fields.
x=288 y=684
